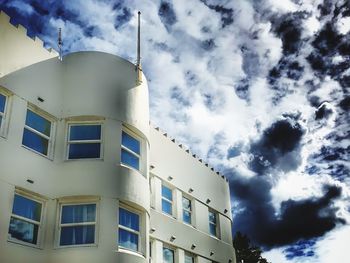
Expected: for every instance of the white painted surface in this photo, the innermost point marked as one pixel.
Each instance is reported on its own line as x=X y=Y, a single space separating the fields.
x=95 y=85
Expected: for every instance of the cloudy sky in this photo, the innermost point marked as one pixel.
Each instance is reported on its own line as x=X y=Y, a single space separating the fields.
x=259 y=89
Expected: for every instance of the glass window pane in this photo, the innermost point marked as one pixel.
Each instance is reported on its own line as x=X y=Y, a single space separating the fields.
x=128 y=219
x=84 y=150
x=78 y=213
x=130 y=143
x=168 y=255
x=212 y=217
x=186 y=203
x=26 y=208
x=24 y=231
x=128 y=240
x=167 y=193
x=38 y=123
x=189 y=259
x=167 y=207
x=212 y=229
x=2 y=103
x=85 y=132
x=130 y=159
x=35 y=141
x=77 y=235
x=187 y=217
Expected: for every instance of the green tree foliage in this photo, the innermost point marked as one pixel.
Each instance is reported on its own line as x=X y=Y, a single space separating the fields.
x=245 y=252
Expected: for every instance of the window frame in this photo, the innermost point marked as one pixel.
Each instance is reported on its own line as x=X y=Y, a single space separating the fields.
x=165 y=246
x=5 y=115
x=138 y=233
x=190 y=211
x=59 y=224
x=41 y=224
x=167 y=200
x=216 y=224
x=122 y=147
x=50 y=147
x=84 y=123
x=188 y=254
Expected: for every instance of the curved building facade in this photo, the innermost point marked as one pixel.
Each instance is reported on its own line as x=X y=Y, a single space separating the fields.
x=83 y=175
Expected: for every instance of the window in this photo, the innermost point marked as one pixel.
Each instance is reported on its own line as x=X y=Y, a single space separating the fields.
x=26 y=218
x=77 y=225
x=213 y=227
x=37 y=133
x=168 y=255
x=167 y=200
x=189 y=258
x=84 y=141
x=3 y=106
x=130 y=153
x=186 y=210
x=129 y=230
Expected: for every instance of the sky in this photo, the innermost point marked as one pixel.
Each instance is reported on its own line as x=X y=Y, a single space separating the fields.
x=258 y=89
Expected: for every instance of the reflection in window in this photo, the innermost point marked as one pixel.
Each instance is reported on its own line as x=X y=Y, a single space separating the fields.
x=212 y=223
x=189 y=258
x=37 y=133
x=167 y=200
x=84 y=141
x=129 y=230
x=77 y=224
x=186 y=210
x=25 y=220
x=168 y=255
x=3 y=100
x=130 y=153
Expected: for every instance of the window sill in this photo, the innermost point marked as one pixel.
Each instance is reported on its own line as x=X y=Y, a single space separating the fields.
x=19 y=242
x=131 y=252
x=77 y=246
x=84 y=159
x=132 y=168
x=38 y=153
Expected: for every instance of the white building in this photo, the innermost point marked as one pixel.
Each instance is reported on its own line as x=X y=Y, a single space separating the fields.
x=84 y=178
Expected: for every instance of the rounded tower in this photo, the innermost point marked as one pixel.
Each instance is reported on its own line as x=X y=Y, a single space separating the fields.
x=75 y=150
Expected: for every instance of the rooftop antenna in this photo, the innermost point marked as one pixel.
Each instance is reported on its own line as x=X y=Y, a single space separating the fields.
x=138 y=63
x=60 y=43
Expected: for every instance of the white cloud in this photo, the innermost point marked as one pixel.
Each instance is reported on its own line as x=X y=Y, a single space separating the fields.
x=24 y=8
x=343 y=25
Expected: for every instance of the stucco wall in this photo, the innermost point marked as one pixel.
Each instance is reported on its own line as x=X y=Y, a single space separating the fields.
x=112 y=99
x=17 y=50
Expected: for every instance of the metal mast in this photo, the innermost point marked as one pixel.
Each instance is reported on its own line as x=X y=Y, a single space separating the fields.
x=138 y=63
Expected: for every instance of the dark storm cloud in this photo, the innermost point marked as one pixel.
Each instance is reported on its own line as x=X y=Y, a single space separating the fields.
x=332 y=154
x=297 y=219
x=167 y=14
x=323 y=112
x=278 y=147
x=286 y=67
x=345 y=103
x=288 y=27
x=327 y=44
